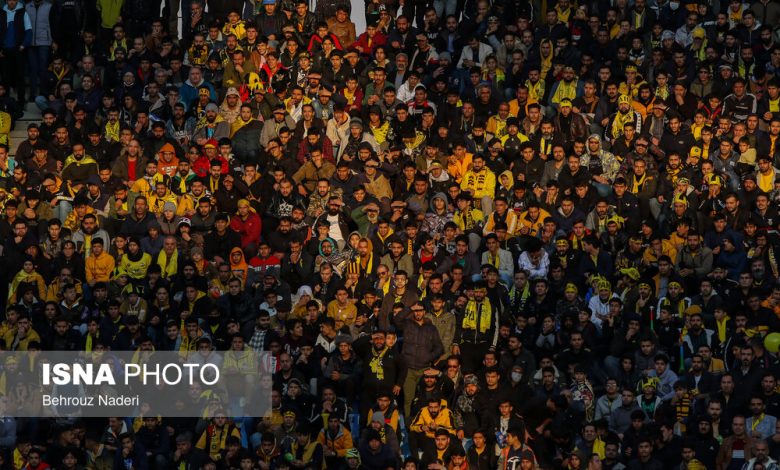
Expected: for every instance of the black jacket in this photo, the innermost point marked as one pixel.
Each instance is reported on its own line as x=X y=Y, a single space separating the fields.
x=422 y=344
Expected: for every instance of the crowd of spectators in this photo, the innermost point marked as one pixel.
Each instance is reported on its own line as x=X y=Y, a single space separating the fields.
x=510 y=235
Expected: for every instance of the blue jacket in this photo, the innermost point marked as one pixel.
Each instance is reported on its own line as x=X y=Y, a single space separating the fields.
x=16 y=30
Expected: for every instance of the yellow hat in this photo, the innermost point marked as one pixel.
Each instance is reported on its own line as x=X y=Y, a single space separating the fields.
x=571 y=288
x=695 y=152
x=696 y=465
x=244 y=203
x=715 y=179
x=565 y=102
x=693 y=309
x=624 y=99
x=680 y=199
x=604 y=284
x=632 y=273
x=698 y=33
x=616 y=219
x=631 y=68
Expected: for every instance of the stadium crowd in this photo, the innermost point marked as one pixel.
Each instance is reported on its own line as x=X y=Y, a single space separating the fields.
x=477 y=235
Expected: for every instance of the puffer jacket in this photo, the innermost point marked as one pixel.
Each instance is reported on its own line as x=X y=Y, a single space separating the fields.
x=338 y=444
x=99 y=268
x=443 y=420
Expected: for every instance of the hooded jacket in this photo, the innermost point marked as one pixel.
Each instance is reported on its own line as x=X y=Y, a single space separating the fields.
x=434 y=222
x=248 y=229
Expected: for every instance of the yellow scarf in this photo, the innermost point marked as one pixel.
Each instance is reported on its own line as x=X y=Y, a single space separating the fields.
x=369 y=263
x=203 y=122
x=88 y=345
x=535 y=91
x=112 y=131
x=756 y=422
x=485 y=316
x=721 y=324
x=380 y=133
x=376 y=363
x=774 y=106
x=350 y=96
x=662 y=92
x=696 y=131
x=565 y=90
x=620 y=121
x=638 y=183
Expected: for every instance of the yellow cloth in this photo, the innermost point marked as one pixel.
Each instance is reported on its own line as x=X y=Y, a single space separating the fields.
x=485 y=316
x=766 y=182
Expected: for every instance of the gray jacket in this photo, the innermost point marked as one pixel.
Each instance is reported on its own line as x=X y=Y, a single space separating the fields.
x=40 y=18
x=620 y=419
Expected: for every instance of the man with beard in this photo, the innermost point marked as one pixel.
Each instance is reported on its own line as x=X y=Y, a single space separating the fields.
x=283 y=201
x=180 y=126
x=25 y=151
x=570 y=125
x=278 y=238
x=624 y=114
x=211 y=126
x=97 y=147
x=312 y=171
x=78 y=167
x=88 y=231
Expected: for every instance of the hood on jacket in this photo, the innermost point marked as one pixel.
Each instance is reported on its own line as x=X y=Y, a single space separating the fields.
x=596 y=137
x=332 y=242
x=237 y=249
x=510 y=177
x=369 y=243
x=19 y=6
x=441 y=196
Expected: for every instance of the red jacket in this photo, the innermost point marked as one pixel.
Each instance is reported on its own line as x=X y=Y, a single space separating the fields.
x=379 y=39
x=248 y=229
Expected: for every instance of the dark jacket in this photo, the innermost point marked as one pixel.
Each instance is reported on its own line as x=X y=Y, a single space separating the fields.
x=422 y=344
x=22 y=27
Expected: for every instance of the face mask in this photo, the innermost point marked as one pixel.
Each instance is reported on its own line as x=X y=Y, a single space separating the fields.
x=674 y=5
x=516 y=376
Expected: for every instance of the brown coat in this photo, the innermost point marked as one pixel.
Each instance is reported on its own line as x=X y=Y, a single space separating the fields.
x=724 y=454
x=344 y=31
